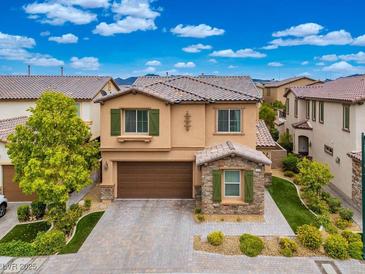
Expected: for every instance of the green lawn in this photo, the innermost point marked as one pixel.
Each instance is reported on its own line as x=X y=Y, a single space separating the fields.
x=286 y=198
x=83 y=229
x=25 y=232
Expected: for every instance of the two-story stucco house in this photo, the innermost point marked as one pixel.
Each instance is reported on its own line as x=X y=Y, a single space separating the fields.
x=326 y=121
x=19 y=92
x=186 y=137
x=275 y=90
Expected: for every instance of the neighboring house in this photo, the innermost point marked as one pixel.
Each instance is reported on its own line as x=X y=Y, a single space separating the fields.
x=186 y=137
x=19 y=92
x=275 y=90
x=326 y=122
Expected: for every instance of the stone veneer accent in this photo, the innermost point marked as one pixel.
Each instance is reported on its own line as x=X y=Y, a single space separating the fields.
x=356 y=184
x=107 y=192
x=210 y=207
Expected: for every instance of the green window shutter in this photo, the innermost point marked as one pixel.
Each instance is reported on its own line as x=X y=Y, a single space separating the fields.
x=217 y=188
x=154 y=122
x=115 y=122
x=249 y=186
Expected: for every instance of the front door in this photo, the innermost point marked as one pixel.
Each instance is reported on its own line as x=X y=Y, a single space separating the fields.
x=303 y=147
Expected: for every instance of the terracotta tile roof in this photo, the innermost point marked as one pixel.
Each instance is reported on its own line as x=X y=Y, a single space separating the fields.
x=31 y=87
x=263 y=136
x=179 y=89
x=355 y=155
x=302 y=125
x=7 y=126
x=228 y=148
x=275 y=84
x=348 y=89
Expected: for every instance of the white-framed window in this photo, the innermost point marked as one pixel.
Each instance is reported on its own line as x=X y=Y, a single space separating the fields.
x=136 y=121
x=314 y=110
x=229 y=120
x=321 y=112
x=346 y=118
x=307 y=109
x=296 y=108
x=232 y=183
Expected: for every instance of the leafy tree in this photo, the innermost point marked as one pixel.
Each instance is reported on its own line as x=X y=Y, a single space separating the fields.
x=278 y=105
x=313 y=176
x=286 y=141
x=268 y=114
x=52 y=153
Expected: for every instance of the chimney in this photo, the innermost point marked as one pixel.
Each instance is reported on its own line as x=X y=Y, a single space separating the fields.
x=28 y=70
x=61 y=70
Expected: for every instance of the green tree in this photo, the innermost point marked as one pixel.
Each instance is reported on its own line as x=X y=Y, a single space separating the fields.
x=313 y=176
x=268 y=114
x=52 y=153
x=278 y=105
x=286 y=141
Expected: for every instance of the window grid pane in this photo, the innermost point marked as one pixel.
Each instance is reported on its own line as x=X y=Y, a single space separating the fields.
x=130 y=121
x=142 y=121
x=235 y=121
x=223 y=120
x=232 y=176
x=232 y=190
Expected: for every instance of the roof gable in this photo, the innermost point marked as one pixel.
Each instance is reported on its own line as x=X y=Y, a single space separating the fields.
x=276 y=84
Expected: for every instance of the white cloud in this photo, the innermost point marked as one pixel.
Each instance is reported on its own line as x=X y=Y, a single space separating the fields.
x=275 y=64
x=196 y=48
x=212 y=60
x=300 y=30
x=126 y=25
x=357 y=57
x=45 y=33
x=184 y=65
x=306 y=73
x=359 y=41
x=232 y=66
x=150 y=69
x=135 y=8
x=85 y=63
x=15 y=41
x=241 y=53
x=329 y=58
x=341 y=67
x=304 y=63
x=44 y=61
x=89 y=4
x=67 y=38
x=55 y=13
x=270 y=47
x=198 y=31
x=153 y=63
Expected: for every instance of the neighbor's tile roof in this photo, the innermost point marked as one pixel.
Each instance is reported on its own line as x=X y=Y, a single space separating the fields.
x=14 y=87
x=263 y=136
x=348 y=89
x=355 y=155
x=7 y=126
x=302 y=125
x=228 y=148
x=275 y=84
x=178 y=89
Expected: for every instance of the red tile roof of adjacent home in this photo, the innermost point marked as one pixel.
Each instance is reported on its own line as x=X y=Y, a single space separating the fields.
x=263 y=136
x=20 y=87
x=302 y=125
x=348 y=89
x=355 y=155
x=275 y=84
x=228 y=149
x=7 y=126
x=179 y=89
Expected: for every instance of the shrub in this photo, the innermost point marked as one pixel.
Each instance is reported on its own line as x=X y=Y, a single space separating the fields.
x=50 y=242
x=290 y=163
x=334 y=204
x=251 y=245
x=355 y=250
x=278 y=105
x=346 y=214
x=325 y=196
x=350 y=236
x=323 y=220
x=200 y=217
x=75 y=207
x=87 y=204
x=289 y=173
x=286 y=141
x=17 y=249
x=331 y=228
x=66 y=221
x=287 y=247
x=215 y=238
x=23 y=213
x=317 y=205
x=342 y=224
x=336 y=247
x=38 y=209
x=197 y=210
x=309 y=236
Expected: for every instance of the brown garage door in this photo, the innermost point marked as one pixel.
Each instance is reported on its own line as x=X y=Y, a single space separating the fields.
x=155 y=180
x=11 y=189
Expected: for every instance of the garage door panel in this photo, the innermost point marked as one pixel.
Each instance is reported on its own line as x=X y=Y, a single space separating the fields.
x=154 y=180
x=11 y=189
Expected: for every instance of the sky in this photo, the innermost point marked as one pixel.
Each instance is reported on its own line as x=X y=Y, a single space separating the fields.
x=122 y=38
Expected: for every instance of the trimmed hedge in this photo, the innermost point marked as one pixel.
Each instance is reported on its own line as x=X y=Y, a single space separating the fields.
x=251 y=245
x=346 y=214
x=336 y=247
x=38 y=209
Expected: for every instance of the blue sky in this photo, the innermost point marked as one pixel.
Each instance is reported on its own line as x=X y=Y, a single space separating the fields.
x=121 y=38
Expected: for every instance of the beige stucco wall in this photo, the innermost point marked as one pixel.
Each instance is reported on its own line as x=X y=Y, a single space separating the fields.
x=330 y=133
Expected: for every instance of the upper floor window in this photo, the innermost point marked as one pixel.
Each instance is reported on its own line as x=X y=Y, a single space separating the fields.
x=321 y=112
x=307 y=109
x=296 y=108
x=346 y=118
x=229 y=120
x=314 y=110
x=287 y=106
x=136 y=121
